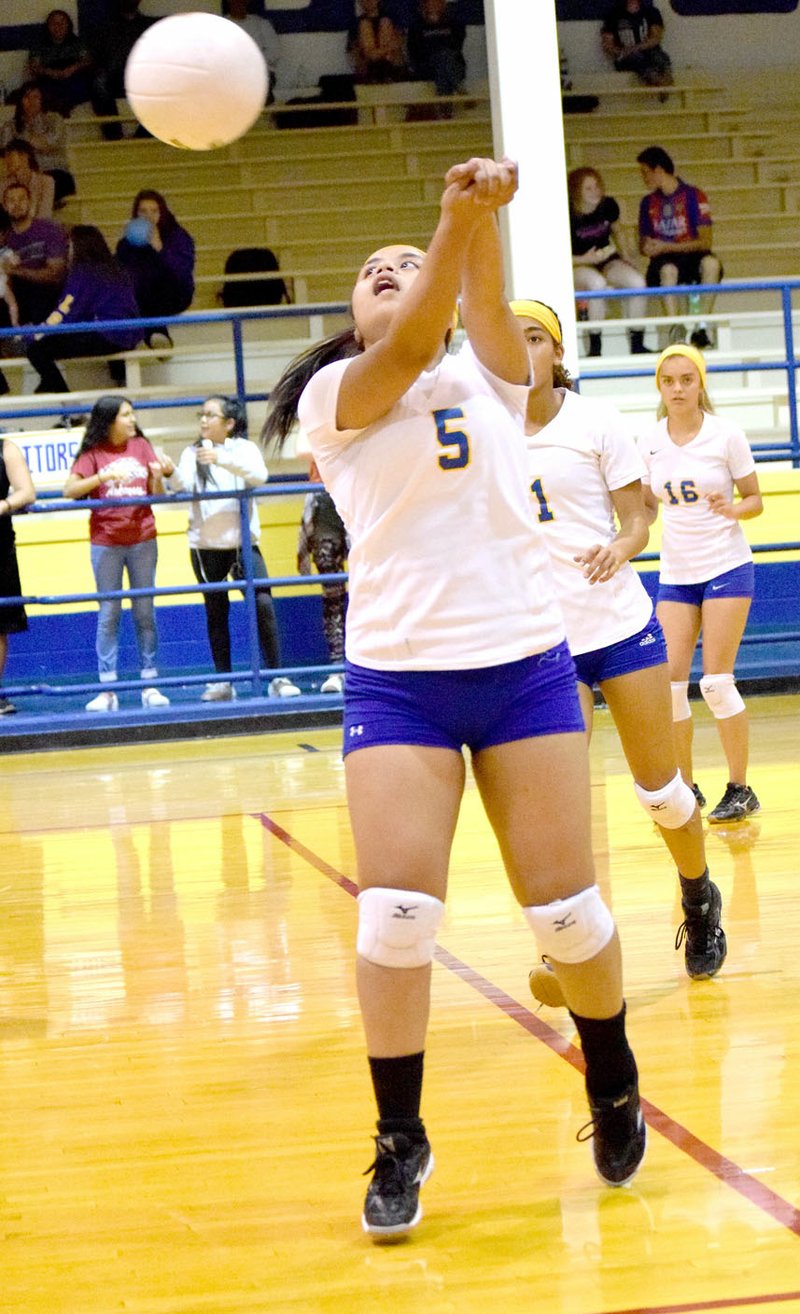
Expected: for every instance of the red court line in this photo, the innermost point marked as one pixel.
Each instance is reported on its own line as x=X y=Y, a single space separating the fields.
x=699 y=1306
x=728 y=1172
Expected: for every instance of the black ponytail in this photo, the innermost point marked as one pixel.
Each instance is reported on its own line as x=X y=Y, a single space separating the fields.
x=286 y=393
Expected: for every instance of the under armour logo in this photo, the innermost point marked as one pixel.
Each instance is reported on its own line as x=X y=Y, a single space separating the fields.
x=356 y=730
x=564 y=923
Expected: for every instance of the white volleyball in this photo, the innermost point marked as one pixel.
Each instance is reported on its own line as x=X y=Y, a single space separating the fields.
x=196 y=81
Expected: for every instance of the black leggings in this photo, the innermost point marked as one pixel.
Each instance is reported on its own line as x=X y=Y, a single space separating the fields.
x=212 y=566
x=70 y=346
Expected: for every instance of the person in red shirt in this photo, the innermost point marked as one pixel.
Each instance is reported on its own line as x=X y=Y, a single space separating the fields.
x=115 y=460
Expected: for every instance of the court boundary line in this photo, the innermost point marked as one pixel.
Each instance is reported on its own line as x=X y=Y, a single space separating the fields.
x=724 y=1169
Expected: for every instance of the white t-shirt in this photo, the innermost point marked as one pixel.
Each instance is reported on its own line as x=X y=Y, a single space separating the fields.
x=447 y=568
x=216 y=522
x=574 y=463
x=696 y=544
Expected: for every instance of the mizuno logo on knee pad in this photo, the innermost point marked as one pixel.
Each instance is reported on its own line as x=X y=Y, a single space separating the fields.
x=397 y=928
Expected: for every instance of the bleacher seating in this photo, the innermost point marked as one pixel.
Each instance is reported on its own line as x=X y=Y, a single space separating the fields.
x=319 y=196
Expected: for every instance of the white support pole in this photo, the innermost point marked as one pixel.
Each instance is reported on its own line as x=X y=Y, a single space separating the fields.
x=525 y=86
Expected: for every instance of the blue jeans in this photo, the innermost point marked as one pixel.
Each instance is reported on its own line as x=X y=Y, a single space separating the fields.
x=108 y=564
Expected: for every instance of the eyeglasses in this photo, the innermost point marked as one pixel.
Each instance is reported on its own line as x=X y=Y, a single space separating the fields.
x=210 y=415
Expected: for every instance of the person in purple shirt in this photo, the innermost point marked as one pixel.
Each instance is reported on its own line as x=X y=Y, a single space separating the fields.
x=159 y=255
x=96 y=289
x=34 y=255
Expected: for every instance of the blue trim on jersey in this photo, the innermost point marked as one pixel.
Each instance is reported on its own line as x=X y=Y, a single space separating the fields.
x=645 y=648
x=737 y=583
x=448 y=709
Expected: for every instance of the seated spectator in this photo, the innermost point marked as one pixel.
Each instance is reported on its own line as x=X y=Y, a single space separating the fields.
x=600 y=253
x=46 y=134
x=60 y=61
x=159 y=256
x=112 y=45
x=631 y=36
x=16 y=492
x=435 y=44
x=34 y=256
x=96 y=289
x=262 y=32
x=376 y=46
x=21 y=165
x=675 y=232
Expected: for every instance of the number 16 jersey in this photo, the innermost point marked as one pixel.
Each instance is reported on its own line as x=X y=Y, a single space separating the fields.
x=697 y=544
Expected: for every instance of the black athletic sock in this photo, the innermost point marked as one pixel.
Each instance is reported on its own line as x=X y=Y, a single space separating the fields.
x=695 y=891
x=610 y=1065
x=398 y=1091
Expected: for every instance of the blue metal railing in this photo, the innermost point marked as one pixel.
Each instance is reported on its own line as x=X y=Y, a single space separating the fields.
x=788 y=364
x=783 y=288
x=254 y=674
x=248 y=584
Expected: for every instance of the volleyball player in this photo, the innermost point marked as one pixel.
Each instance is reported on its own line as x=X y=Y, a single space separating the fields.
x=585 y=473
x=695 y=460
x=424 y=456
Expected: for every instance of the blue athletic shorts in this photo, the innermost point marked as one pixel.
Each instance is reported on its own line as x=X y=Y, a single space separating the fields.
x=447 y=709
x=737 y=583
x=646 y=648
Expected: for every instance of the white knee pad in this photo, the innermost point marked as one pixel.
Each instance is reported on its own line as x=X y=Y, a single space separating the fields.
x=397 y=928
x=722 y=696
x=572 y=930
x=681 y=710
x=671 y=806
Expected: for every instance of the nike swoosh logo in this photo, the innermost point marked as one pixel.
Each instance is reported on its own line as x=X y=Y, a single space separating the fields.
x=714 y=587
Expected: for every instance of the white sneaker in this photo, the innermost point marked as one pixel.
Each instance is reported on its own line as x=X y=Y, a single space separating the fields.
x=281 y=687
x=334 y=683
x=154 y=698
x=218 y=692
x=107 y=701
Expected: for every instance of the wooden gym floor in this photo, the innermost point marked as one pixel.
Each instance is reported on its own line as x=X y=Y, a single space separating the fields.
x=184 y=1099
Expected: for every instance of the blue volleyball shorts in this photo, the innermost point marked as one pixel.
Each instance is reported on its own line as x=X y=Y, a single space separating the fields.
x=737 y=583
x=449 y=709
x=645 y=648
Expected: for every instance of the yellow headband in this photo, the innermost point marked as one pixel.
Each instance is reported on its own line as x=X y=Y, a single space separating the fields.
x=542 y=314
x=683 y=349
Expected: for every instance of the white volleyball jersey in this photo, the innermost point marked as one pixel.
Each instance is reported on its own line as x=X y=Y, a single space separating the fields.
x=696 y=544
x=574 y=464
x=447 y=567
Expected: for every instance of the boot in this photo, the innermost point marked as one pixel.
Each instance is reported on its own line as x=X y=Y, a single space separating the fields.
x=595 y=345
x=637 y=343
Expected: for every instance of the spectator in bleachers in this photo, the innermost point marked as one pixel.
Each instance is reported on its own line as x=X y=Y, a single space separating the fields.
x=96 y=289
x=159 y=255
x=261 y=30
x=111 y=47
x=631 y=36
x=45 y=132
x=60 y=61
x=21 y=165
x=16 y=492
x=224 y=459
x=376 y=45
x=34 y=255
x=600 y=253
x=115 y=460
x=435 y=49
x=675 y=231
